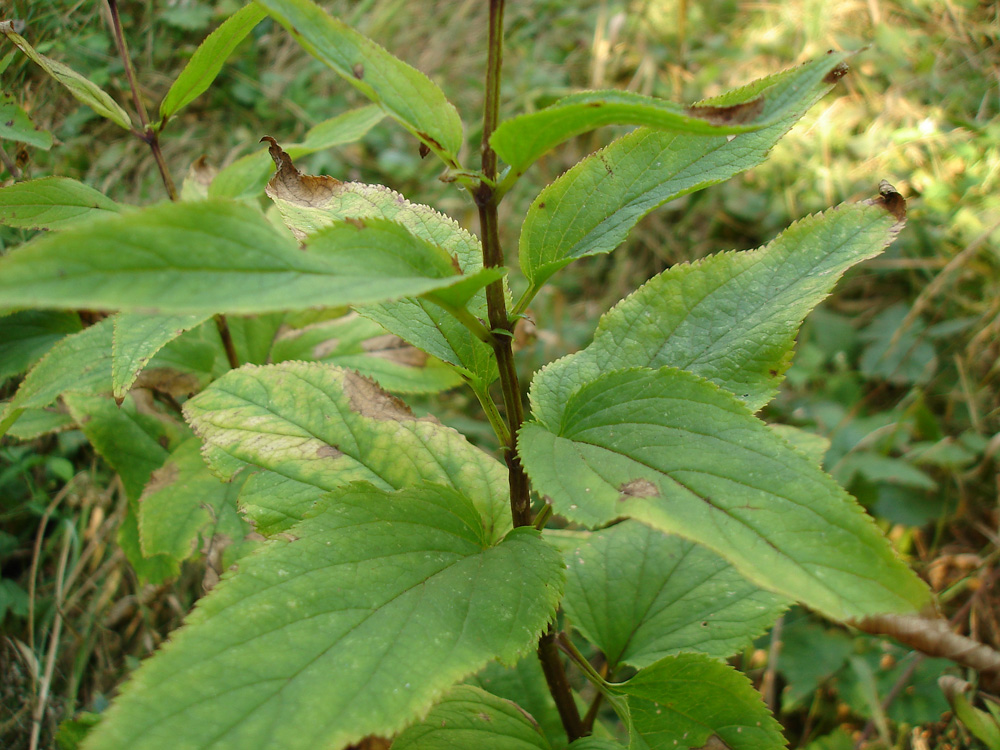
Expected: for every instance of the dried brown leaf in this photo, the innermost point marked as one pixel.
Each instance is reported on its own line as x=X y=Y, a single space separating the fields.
x=291 y=185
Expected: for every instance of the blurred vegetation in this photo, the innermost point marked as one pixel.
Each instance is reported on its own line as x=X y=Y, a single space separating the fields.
x=899 y=369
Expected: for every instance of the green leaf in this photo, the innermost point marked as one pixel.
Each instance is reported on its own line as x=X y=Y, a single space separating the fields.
x=248 y=175
x=983 y=725
x=34 y=423
x=640 y=595
x=812 y=445
x=130 y=442
x=406 y=94
x=520 y=141
x=15 y=125
x=216 y=256
x=468 y=717
x=26 y=336
x=78 y=363
x=352 y=431
x=596 y=743
x=138 y=336
x=254 y=336
x=524 y=684
x=82 y=89
x=274 y=503
x=52 y=203
x=360 y=344
x=308 y=203
x=185 y=508
x=730 y=318
x=156 y=569
x=208 y=59
x=438 y=333
x=592 y=207
x=127 y=439
x=679 y=454
x=810 y=654
x=346 y=627
x=683 y=701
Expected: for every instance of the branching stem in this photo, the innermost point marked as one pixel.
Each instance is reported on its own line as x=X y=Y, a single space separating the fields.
x=148 y=134
x=502 y=341
x=500 y=324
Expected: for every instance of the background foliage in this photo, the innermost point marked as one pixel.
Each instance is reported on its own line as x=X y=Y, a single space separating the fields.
x=899 y=369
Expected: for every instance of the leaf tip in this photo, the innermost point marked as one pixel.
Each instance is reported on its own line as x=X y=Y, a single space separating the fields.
x=891 y=200
x=839 y=70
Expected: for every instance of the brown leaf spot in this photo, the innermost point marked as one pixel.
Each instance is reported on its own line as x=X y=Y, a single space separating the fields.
x=483 y=716
x=394 y=349
x=328 y=451
x=734 y=114
x=168 y=380
x=325 y=348
x=358 y=71
x=638 y=488
x=160 y=478
x=370 y=401
x=890 y=200
x=201 y=172
x=430 y=141
x=838 y=72
x=355 y=222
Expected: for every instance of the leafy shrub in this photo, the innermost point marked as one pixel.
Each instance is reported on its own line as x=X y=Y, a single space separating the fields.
x=391 y=560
